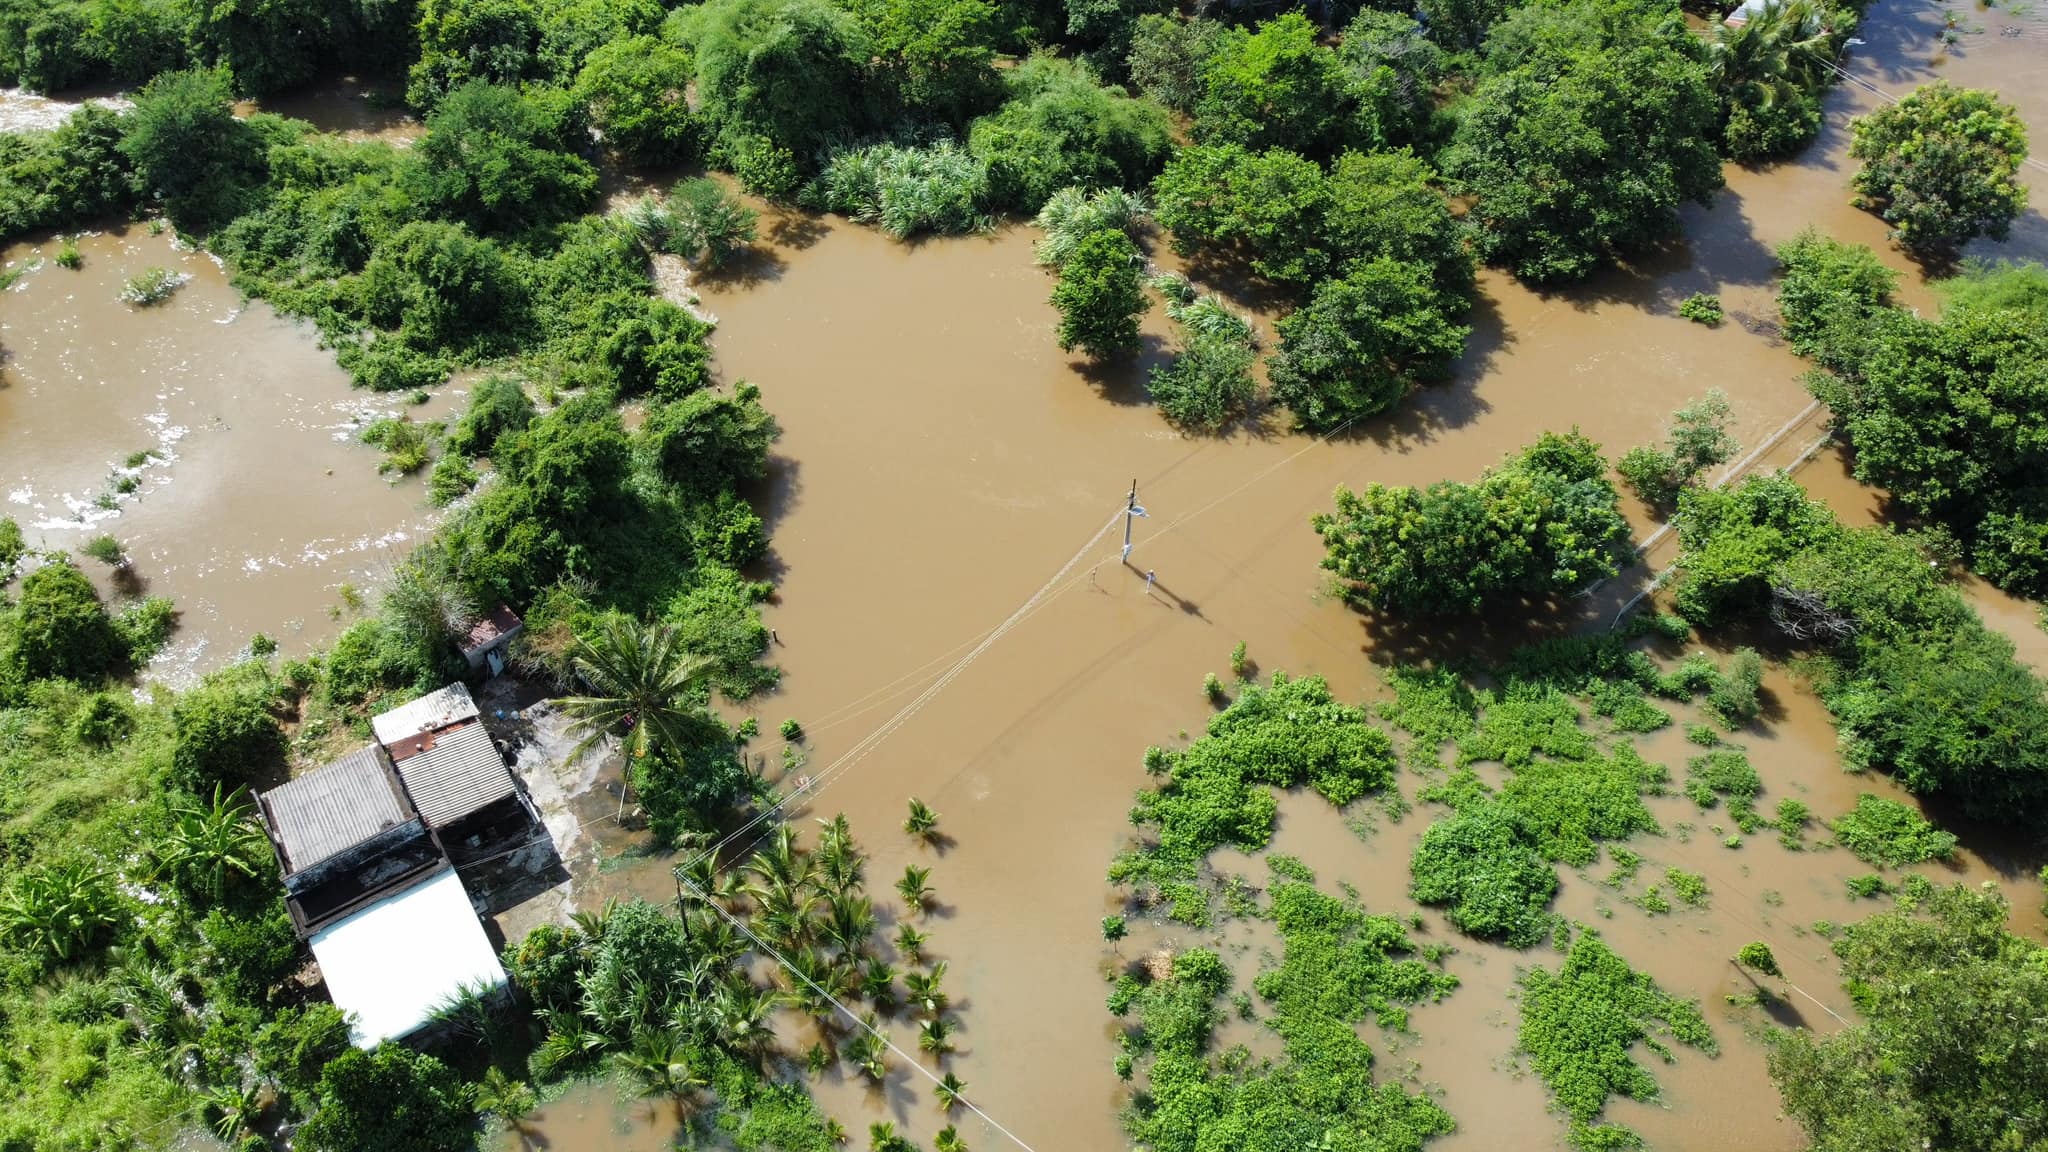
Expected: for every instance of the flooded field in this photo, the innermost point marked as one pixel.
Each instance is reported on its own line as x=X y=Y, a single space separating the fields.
x=941 y=460
x=250 y=503
x=944 y=470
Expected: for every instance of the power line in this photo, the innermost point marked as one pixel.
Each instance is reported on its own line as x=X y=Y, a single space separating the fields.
x=748 y=931
x=855 y=754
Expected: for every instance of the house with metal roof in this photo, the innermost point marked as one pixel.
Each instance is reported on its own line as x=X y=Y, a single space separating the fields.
x=437 y=709
x=344 y=833
x=455 y=774
x=369 y=847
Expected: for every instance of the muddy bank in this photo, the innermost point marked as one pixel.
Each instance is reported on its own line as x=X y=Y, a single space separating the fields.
x=251 y=503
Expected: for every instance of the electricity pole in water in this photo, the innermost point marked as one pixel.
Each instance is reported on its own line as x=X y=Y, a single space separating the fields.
x=1131 y=510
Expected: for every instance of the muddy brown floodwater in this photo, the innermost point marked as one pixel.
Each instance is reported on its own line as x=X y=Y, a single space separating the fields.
x=256 y=503
x=941 y=460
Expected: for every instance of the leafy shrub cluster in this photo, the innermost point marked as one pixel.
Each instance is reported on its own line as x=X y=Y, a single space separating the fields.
x=1942 y=1053
x=1544 y=522
x=1339 y=965
x=1286 y=734
x=1917 y=685
x=1581 y=1024
x=1934 y=409
x=1886 y=832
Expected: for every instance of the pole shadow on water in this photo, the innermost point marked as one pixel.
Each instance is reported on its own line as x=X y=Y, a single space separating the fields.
x=1156 y=589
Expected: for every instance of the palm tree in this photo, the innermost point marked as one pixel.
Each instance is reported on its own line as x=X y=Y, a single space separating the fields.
x=841 y=867
x=948 y=1140
x=950 y=1090
x=703 y=876
x=234 y=1109
x=571 y=1041
x=869 y=1051
x=508 y=1099
x=878 y=984
x=915 y=887
x=642 y=682
x=783 y=912
x=922 y=822
x=744 y=1017
x=911 y=942
x=882 y=1137
x=849 y=921
x=925 y=993
x=592 y=924
x=781 y=861
x=208 y=846
x=1780 y=55
x=935 y=1035
x=656 y=1065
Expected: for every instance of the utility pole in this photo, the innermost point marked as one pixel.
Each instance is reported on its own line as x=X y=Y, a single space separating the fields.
x=1131 y=509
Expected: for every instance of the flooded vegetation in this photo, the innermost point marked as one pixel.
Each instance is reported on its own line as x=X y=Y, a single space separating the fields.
x=814 y=500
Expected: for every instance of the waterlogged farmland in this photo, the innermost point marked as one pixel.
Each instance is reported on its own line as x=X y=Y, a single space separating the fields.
x=917 y=812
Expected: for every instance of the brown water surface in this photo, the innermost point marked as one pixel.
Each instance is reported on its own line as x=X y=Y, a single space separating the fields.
x=256 y=503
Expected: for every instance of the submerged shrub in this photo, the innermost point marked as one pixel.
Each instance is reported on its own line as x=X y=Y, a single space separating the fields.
x=1580 y=1024
x=152 y=285
x=707 y=224
x=1075 y=213
x=1886 y=832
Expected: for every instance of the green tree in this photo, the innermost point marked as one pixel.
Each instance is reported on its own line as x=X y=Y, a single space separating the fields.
x=1544 y=522
x=634 y=92
x=59 y=628
x=1945 y=1054
x=58 y=912
x=391 y=1098
x=225 y=732
x=793 y=73
x=1100 y=295
x=1167 y=56
x=1061 y=128
x=1941 y=167
x=1579 y=156
x=189 y=148
x=268 y=45
x=709 y=441
x=68 y=177
x=1268 y=209
x=497 y=405
x=443 y=288
x=1830 y=293
x=1279 y=88
x=711 y=224
x=1362 y=342
x=495 y=41
x=497 y=159
x=938 y=55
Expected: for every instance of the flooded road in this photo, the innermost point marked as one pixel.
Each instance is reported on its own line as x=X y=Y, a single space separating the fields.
x=252 y=504
x=942 y=459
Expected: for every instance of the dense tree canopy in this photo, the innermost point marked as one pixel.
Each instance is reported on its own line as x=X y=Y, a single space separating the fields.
x=1947 y=1052
x=1590 y=133
x=391 y=1098
x=188 y=147
x=1100 y=295
x=635 y=91
x=1544 y=522
x=499 y=160
x=1060 y=128
x=1363 y=341
x=1942 y=166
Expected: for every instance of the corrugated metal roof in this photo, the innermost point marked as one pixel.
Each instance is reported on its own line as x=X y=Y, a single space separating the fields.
x=391 y=964
x=437 y=709
x=334 y=807
x=455 y=772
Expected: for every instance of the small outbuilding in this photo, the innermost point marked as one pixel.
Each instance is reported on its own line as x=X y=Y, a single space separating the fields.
x=390 y=964
x=489 y=638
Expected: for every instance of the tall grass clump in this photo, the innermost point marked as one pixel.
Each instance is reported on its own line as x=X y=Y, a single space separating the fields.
x=905 y=190
x=1074 y=212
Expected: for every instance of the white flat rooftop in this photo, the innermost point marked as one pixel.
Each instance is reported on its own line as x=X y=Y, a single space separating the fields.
x=390 y=965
